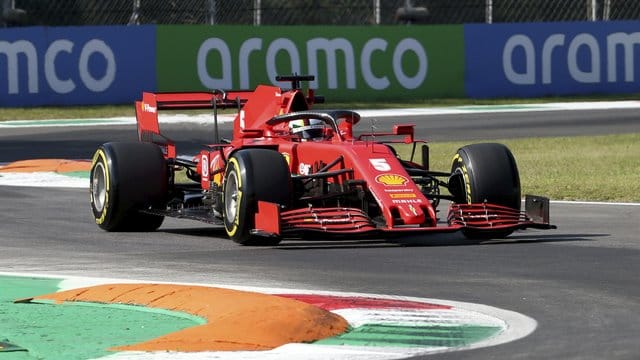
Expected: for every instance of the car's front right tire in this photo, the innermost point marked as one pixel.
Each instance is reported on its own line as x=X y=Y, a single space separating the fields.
x=486 y=173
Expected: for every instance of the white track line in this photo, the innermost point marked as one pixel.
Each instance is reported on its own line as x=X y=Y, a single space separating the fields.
x=170 y=118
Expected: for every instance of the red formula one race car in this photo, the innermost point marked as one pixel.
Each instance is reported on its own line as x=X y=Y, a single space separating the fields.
x=289 y=171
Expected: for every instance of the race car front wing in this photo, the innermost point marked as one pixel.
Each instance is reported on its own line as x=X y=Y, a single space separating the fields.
x=270 y=220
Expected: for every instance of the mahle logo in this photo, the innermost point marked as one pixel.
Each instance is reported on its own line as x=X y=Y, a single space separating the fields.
x=356 y=61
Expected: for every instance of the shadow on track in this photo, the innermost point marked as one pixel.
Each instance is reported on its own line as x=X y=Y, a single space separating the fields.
x=460 y=240
x=547 y=238
x=431 y=240
x=212 y=232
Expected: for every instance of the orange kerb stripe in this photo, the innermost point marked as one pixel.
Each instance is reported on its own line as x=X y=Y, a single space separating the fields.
x=40 y=165
x=236 y=320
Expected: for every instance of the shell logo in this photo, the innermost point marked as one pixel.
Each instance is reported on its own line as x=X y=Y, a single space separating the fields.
x=391 y=179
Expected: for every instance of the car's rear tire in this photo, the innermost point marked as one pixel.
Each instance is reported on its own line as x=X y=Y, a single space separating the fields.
x=126 y=178
x=252 y=175
x=486 y=173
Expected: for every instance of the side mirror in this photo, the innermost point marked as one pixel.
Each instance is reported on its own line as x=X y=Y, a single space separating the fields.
x=404 y=129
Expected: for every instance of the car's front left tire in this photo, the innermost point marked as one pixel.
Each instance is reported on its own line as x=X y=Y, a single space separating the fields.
x=253 y=175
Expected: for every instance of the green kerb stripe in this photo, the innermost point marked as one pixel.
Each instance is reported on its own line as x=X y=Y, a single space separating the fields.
x=413 y=336
x=77 y=174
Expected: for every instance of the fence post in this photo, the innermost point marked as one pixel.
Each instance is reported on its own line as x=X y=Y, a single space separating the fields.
x=135 y=14
x=10 y=15
x=257 y=4
x=6 y=5
x=488 y=12
x=211 y=13
x=376 y=11
x=606 y=11
x=591 y=10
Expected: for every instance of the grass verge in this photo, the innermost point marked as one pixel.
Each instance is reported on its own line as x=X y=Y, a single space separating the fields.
x=101 y=111
x=594 y=168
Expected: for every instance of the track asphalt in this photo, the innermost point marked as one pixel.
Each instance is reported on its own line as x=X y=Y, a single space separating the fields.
x=73 y=325
x=155 y=317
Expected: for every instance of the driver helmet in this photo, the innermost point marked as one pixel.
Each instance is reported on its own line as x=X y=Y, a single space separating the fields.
x=307 y=129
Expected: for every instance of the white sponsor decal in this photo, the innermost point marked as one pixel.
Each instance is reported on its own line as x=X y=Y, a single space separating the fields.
x=570 y=49
x=148 y=108
x=380 y=164
x=13 y=51
x=304 y=169
x=406 y=201
x=204 y=164
x=333 y=49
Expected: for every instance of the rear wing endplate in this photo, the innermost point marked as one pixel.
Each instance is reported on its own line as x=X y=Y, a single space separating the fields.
x=147 y=110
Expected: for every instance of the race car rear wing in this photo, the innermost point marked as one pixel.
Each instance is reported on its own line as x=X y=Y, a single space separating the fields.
x=147 y=110
x=196 y=100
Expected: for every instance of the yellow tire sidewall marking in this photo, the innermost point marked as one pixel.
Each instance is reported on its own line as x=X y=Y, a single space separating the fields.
x=101 y=156
x=233 y=162
x=457 y=161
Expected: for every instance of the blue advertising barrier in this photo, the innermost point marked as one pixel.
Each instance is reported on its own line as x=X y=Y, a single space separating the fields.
x=114 y=64
x=76 y=65
x=542 y=59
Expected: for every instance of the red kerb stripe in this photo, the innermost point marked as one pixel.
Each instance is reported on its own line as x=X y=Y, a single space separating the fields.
x=329 y=302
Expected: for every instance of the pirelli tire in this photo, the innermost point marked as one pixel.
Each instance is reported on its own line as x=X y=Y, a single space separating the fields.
x=127 y=177
x=252 y=175
x=486 y=172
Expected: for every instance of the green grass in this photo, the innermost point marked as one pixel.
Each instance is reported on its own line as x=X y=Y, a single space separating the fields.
x=84 y=112
x=101 y=111
x=599 y=168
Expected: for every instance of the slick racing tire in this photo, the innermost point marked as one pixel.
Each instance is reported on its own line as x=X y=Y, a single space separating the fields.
x=252 y=175
x=125 y=178
x=486 y=172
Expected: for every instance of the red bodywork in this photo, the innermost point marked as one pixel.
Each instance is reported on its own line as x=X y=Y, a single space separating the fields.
x=369 y=165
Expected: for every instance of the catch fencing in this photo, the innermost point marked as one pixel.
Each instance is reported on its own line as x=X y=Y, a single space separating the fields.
x=310 y=12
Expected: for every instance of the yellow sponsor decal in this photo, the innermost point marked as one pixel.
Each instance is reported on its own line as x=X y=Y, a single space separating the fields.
x=391 y=179
x=403 y=196
x=287 y=158
x=216 y=164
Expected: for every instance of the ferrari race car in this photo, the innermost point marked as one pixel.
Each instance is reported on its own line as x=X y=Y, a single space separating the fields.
x=289 y=171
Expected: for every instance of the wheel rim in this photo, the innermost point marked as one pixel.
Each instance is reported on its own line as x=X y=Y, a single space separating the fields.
x=231 y=196
x=463 y=184
x=99 y=187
